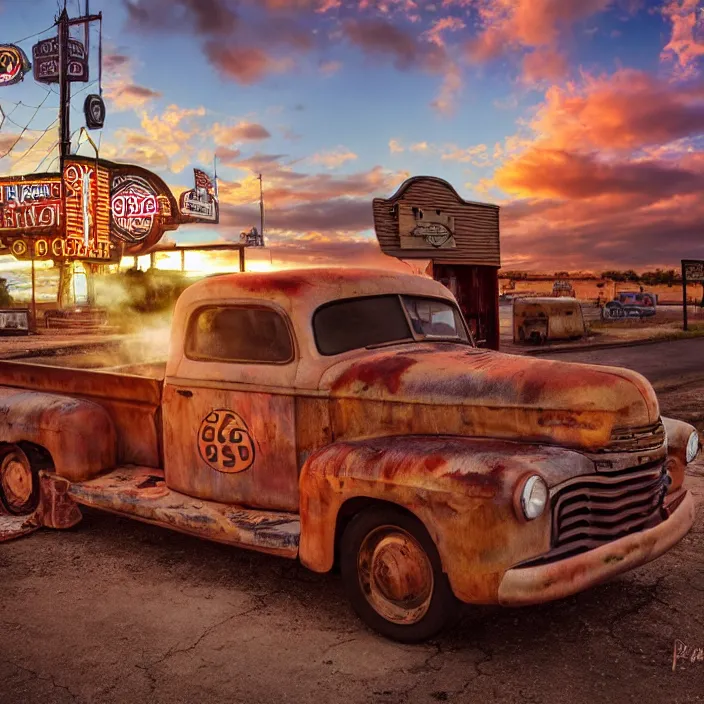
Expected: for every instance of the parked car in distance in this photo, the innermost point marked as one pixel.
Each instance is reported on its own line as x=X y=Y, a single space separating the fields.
x=629 y=304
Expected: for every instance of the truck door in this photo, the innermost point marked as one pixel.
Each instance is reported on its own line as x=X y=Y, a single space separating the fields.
x=229 y=409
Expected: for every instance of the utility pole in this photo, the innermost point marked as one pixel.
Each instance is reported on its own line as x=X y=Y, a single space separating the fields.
x=64 y=88
x=64 y=24
x=261 y=209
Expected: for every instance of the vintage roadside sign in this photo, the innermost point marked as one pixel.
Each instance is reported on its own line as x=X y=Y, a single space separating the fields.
x=200 y=204
x=427 y=219
x=92 y=211
x=46 y=61
x=692 y=272
x=13 y=64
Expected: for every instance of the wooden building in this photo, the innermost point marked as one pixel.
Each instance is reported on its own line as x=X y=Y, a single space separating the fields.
x=427 y=219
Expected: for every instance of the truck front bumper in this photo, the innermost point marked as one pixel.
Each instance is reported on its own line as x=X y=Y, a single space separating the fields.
x=521 y=586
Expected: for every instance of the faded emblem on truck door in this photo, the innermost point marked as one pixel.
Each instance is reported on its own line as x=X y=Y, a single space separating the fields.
x=224 y=442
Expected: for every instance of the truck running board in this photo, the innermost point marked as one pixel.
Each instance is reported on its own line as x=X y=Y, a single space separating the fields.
x=141 y=493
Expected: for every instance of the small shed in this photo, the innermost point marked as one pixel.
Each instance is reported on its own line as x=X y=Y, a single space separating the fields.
x=427 y=219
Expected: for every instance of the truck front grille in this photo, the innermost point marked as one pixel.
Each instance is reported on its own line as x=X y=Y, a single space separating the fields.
x=647 y=437
x=595 y=509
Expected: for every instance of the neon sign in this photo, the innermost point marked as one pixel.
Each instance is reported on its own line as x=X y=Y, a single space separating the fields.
x=134 y=208
x=32 y=206
x=13 y=64
x=95 y=210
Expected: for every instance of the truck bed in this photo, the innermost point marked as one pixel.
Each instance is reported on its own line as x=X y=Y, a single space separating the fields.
x=132 y=401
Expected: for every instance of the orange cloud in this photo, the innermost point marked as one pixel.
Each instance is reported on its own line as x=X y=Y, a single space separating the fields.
x=243 y=131
x=686 y=44
x=477 y=155
x=384 y=38
x=167 y=140
x=334 y=159
x=120 y=90
x=510 y=24
x=611 y=176
x=544 y=64
x=246 y=65
x=622 y=112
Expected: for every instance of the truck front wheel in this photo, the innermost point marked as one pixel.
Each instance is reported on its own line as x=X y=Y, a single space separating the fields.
x=393 y=575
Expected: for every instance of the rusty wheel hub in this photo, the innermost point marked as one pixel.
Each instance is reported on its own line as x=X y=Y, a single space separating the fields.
x=17 y=483
x=396 y=575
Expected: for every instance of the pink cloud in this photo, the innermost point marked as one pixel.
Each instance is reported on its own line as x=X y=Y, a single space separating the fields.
x=511 y=24
x=383 y=38
x=686 y=45
x=544 y=64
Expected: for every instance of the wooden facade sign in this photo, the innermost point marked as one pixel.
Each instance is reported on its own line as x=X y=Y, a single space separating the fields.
x=427 y=219
x=95 y=210
x=46 y=61
x=13 y=64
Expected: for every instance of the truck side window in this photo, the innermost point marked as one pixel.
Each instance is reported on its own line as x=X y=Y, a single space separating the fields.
x=239 y=334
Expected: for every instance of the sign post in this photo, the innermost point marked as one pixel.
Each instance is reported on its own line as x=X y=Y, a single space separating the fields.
x=692 y=270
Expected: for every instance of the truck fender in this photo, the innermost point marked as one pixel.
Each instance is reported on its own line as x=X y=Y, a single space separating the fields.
x=462 y=490
x=79 y=435
x=677 y=433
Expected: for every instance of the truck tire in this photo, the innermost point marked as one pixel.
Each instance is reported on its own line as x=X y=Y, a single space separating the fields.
x=19 y=483
x=393 y=575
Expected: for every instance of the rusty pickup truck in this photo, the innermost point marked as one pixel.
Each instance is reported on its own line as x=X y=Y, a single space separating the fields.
x=346 y=418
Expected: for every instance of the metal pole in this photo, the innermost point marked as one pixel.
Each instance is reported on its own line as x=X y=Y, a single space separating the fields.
x=242 y=262
x=261 y=209
x=34 y=299
x=86 y=35
x=183 y=260
x=64 y=89
x=684 y=296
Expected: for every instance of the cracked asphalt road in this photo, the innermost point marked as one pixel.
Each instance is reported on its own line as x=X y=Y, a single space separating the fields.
x=118 y=611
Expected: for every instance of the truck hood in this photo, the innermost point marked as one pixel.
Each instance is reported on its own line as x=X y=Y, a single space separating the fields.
x=447 y=389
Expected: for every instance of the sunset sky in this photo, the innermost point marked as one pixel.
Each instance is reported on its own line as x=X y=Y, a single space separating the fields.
x=583 y=119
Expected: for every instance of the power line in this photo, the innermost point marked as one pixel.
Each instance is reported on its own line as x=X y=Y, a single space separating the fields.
x=2 y=156
x=25 y=128
x=24 y=105
x=31 y=36
x=36 y=141
x=51 y=149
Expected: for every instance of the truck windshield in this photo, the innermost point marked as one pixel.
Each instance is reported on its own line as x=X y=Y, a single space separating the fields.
x=380 y=320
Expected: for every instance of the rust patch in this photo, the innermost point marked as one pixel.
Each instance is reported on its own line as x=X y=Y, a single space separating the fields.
x=386 y=371
x=288 y=284
x=434 y=461
x=56 y=508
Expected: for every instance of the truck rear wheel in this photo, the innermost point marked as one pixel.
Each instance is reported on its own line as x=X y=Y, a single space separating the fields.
x=393 y=575
x=19 y=485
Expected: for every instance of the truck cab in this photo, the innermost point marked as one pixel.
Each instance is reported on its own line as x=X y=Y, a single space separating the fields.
x=346 y=417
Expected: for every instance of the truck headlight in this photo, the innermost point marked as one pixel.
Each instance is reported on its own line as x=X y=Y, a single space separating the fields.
x=692 y=447
x=533 y=497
